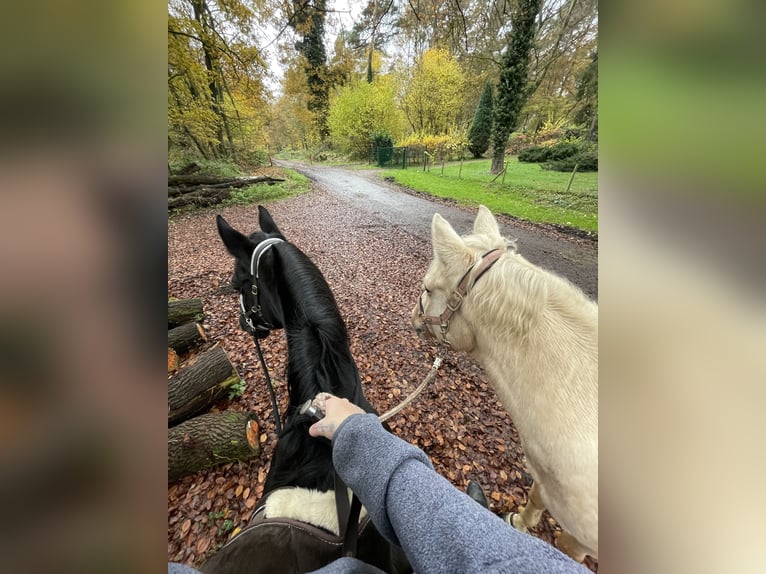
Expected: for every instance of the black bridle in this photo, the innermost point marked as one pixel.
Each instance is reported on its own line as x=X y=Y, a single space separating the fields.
x=261 y=327
x=253 y=321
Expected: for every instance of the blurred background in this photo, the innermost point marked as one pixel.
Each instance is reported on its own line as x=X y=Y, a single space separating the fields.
x=83 y=168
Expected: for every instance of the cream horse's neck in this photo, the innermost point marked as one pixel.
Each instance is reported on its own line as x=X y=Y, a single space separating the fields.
x=537 y=338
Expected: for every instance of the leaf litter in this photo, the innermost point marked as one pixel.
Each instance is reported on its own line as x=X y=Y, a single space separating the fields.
x=375 y=275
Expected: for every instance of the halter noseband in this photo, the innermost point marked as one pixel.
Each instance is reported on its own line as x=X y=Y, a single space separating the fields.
x=255 y=311
x=455 y=299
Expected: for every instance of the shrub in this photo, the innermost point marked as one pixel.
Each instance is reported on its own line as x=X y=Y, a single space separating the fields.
x=534 y=154
x=382 y=146
x=562 y=150
x=450 y=144
x=586 y=160
x=481 y=128
x=516 y=143
x=359 y=109
x=557 y=152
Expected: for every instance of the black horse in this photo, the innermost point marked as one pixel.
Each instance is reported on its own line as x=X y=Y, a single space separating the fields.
x=295 y=529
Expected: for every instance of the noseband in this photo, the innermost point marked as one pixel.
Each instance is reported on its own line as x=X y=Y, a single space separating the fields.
x=261 y=325
x=455 y=299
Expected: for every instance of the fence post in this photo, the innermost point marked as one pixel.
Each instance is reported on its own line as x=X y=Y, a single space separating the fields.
x=571 y=179
x=404 y=158
x=460 y=171
x=505 y=168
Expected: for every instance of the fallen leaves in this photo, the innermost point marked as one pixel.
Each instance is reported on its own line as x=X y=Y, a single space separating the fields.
x=375 y=274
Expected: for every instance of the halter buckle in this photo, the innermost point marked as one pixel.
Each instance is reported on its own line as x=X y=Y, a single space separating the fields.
x=454 y=301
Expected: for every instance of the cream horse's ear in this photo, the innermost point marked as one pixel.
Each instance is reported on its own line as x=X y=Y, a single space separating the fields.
x=486 y=224
x=448 y=245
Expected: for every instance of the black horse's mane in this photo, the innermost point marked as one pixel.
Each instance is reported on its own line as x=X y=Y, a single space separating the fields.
x=319 y=360
x=280 y=288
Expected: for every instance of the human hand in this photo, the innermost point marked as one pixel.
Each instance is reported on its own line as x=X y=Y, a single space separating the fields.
x=336 y=411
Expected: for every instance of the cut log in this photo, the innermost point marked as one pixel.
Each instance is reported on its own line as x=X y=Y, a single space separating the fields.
x=200 y=384
x=200 y=198
x=209 y=440
x=184 y=337
x=197 y=179
x=172 y=361
x=179 y=184
x=184 y=311
x=207 y=190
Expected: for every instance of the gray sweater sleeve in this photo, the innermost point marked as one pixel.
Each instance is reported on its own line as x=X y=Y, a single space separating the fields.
x=439 y=528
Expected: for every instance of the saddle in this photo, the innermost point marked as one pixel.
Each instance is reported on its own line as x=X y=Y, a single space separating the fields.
x=277 y=544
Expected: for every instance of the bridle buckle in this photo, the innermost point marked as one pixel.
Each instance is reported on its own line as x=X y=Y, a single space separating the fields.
x=454 y=301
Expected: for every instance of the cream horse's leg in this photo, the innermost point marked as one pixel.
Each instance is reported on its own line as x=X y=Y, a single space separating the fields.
x=569 y=545
x=529 y=517
x=530 y=514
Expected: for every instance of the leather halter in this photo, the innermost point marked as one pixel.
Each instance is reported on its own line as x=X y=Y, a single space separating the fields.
x=455 y=299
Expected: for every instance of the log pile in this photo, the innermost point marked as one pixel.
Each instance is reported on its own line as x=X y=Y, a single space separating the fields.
x=206 y=190
x=198 y=439
x=209 y=440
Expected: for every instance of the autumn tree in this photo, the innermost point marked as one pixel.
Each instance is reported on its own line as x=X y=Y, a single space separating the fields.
x=378 y=24
x=360 y=109
x=587 y=98
x=434 y=97
x=512 y=86
x=481 y=128
x=215 y=84
x=292 y=124
x=566 y=39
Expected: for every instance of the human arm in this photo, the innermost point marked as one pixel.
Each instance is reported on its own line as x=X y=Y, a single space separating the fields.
x=440 y=528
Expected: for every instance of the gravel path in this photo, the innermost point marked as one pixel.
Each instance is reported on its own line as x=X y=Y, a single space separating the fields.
x=563 y=252
x=373 y=259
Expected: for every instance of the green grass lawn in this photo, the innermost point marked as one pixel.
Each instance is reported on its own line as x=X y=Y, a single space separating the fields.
x=294 y=184
x=529 y=192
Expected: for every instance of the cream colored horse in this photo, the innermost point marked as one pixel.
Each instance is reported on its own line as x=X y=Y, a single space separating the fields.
x=536 y=336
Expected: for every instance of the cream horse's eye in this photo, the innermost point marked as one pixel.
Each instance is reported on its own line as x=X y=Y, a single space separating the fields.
x=426 y=289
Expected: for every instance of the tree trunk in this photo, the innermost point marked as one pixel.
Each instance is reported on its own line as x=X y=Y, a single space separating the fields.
x=498 y=160
x=200 y=198
x=179 y=184
x=197 y=179
x=199 y=385
x=184 y=337
x=209 y=440
x=184 y=311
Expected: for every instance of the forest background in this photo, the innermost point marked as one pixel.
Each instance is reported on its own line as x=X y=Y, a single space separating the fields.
x=250 y=79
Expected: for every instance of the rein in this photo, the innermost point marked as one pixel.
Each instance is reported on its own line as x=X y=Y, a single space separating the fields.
x=270 y=386
x=255 y=260
x=411 y=397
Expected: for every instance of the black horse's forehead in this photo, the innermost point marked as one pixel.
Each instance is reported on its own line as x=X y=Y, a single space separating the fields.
x=258 y=236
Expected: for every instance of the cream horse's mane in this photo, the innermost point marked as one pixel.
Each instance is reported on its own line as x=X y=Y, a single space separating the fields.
x=536 y=336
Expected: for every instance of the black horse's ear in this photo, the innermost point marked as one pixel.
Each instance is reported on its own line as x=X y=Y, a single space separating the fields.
x=266 y=222
x=236 y=243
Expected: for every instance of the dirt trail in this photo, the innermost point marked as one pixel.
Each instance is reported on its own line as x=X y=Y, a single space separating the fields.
x=372 y=243
x=573 y=257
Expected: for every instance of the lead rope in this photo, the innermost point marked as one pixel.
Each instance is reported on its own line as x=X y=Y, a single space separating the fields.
x=429 y=378
x=274 y=407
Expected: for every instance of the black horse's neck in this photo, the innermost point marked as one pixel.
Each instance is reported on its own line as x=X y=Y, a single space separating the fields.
x=318 y=360
x=318 y=352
